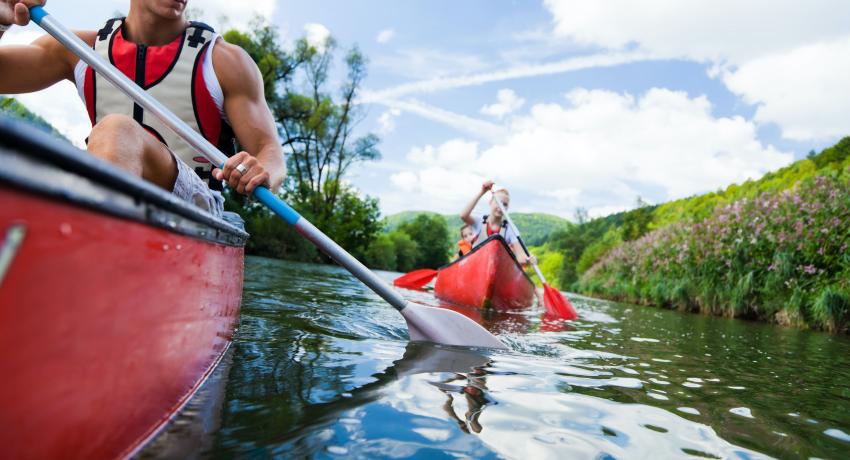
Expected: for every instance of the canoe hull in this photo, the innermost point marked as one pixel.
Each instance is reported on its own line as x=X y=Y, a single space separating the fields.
x=487 y=277
x=113 y=325
x=116 y=302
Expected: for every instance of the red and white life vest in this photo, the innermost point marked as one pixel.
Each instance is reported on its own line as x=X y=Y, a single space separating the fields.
x=171 y=73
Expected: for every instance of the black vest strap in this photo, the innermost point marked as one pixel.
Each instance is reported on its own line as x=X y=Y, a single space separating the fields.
x=197 y=38
x=504 y=225
x=107 y=29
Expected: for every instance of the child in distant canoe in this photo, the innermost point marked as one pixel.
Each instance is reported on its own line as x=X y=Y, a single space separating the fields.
x=467 y=239
x=494 y=222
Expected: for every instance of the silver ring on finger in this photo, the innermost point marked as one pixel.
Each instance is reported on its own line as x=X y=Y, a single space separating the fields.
x=241 y=168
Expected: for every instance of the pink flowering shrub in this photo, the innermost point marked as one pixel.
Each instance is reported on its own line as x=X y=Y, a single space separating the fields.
x=782 y=256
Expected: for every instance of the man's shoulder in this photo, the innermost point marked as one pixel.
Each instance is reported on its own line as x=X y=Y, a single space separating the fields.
x=227 y=55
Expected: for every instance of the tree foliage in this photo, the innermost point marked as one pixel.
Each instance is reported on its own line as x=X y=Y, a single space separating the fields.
x=432 y=236
x=317 y=125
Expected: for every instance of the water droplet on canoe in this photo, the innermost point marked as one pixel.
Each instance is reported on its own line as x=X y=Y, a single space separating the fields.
x=65 y=229
x=179 y=247
x=165 y=247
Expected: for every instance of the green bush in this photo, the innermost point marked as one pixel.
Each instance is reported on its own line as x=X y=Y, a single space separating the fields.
x=832 y=309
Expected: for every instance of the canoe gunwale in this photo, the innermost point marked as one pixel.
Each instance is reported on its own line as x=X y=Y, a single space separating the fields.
x=37 y=162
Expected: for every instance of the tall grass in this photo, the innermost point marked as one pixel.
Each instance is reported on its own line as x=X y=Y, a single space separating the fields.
x=776 y=256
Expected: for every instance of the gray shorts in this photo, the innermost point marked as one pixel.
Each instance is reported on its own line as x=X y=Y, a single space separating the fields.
x=191 y=188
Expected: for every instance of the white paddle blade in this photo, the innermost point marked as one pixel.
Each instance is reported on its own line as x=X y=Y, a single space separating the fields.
x=439 y=325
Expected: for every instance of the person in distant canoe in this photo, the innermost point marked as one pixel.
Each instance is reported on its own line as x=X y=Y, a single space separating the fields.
x=494 y=223
x=210 y=84
x=467 y=239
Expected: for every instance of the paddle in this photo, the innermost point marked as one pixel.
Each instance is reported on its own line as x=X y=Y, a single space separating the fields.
x=415 y=279
x=424 y=323
x=553 y=300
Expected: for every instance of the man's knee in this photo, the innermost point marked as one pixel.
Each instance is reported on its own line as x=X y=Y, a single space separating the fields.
x=113 y=128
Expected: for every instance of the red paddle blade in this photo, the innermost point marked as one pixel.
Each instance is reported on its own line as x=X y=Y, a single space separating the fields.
x=415 y=279
x=557 y=305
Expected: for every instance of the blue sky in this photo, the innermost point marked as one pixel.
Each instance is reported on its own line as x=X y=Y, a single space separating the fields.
x=567 y=103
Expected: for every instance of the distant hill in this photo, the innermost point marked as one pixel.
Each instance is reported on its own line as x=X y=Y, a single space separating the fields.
x=535 y=227
x=13 y=108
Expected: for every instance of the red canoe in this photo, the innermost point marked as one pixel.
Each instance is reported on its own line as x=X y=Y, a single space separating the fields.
x=116 y=301
x=488 y=277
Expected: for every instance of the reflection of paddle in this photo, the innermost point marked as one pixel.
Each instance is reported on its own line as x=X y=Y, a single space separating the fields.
x=415 y=279
x=423 y=323
x=556 y=304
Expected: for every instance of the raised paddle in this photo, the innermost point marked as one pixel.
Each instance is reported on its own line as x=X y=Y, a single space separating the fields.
x=415 y=279
x=556 y=304
x=424 y=323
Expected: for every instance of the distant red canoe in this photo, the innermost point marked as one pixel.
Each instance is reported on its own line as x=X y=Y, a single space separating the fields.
x=488 y=277
x=116 y=301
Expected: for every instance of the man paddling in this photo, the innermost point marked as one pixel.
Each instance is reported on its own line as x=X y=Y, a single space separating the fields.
x=211 y=85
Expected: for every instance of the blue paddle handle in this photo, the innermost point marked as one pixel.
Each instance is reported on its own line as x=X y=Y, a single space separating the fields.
x=37 y=13
x=278 y=206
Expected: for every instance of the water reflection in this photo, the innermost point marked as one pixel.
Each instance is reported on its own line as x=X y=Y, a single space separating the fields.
x=418 y=358
x=474 y=390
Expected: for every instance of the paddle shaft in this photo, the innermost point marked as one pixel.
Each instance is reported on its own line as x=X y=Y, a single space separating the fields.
x=211 y=153
x=518 y=237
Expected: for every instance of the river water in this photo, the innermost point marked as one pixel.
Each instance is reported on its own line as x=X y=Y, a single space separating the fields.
x=321 y=367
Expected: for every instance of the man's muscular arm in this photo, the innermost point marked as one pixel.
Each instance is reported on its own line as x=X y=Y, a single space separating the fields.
x=28 y=68
x=248 y=113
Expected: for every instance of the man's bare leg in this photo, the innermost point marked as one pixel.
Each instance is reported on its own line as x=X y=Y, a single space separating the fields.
x=121 y=141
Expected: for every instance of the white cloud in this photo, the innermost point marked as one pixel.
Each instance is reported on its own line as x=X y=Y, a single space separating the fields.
x=507 y=102
x=386 y=121
x=317 y=35
x=787 y=57
x=456 y=153
x=803 y=90
x=385 y=36
x=405 y=180
x=600 y=150
x=474 y=127
x=715 y=30
x=419 y=63
x=442 y=83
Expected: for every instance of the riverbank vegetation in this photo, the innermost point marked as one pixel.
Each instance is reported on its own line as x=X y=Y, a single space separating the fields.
x=775 y=249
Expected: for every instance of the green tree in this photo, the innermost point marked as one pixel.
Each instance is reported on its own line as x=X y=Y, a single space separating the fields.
x=636 y=222
x=316 y=124
x=406 y=251
x=381 y=253
x=432 y=236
